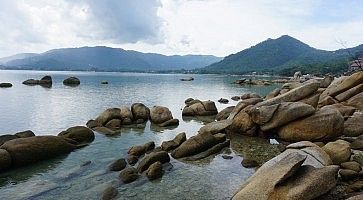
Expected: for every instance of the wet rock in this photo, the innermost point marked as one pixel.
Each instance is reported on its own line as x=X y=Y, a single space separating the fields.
x=353 y=126
x=140 y=111
x=5 y=160
x=71 y=81
x=46 y=80
x=160 y=114
x=126 y=115
x=104 y=82
x=222 y=100
x=352 y=165
x=24 y=151
x=248 y=163
x=172 y=144
x=154 y=171
x=91 y=124
x=242 y=124
x=213 y=150
x=348 y=174
x=129 y=175
x=118 y=165
x=236 y=98
x=205 y=108
x=215 y=127
x=132 y=160
x=24 y=134
x=188 y=100
x=106 y=131
x=142 y=149
x=339 y=151
x=80 y=134
x=357 y=144
x=171 y=122
x=107 y=115
x=5 y=138
x=109 y=193
x=223 y=114
x=114 y=124
x=195 y=145
x=161 y=156
x=6 y=85
x=294 y=94
x=227 y=157
x=31 y=82
x=324 y=124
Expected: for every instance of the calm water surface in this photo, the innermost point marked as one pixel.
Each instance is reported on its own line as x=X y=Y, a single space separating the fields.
x=51 y=110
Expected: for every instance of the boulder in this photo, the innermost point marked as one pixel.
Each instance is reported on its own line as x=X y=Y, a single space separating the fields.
x=118 y=165
x=345 y=84
x=46 y=80
x=161 y=156
x=353 y=126
x=215 y=127
x=261 y=115
x=172 y=144
x=326 y=81
x=285 y=178
x=114 y=124
x=312 y=100
x=250 y=95
x=126 y=115
x=104 y=82
x=243 y=124
x=71 y=81
x=223 y=114
x=348 y=174
x=294 y=94
x=242 y=105
x=249 y=163
x=210 y=106
x=91 y=124
x=346 y=111
x=154 y=171
x=325 y=124
x=357 y=144
x=6 y=85
x=205 y=108
x=160 y=114
x=5 y=160
x=352 y=165
x=236 y=98
x=195 y=145
x=106 y=131
x=284 y=114
x=107 y=115
x=140 y=111
x=109 y=193
x=80 y=134
x=31 y=82
x=349 y=93
x=131 y=159
x=129 y=175
x=24 y=151
x=142 y=149
x=273 y=94
x=5 y=138
x=356 y=101
x=171 y=122
x=24 y=134
x=213 y=150
x=339 y=151
x=328 y=100
x=222 y=100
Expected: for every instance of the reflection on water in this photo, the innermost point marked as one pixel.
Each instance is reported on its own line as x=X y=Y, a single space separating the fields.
x=51 y=110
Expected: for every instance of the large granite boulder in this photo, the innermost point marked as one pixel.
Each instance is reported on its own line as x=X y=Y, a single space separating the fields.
x=349 y=93
x=286 y=178
x=325 y=124
x=344 y=84
x=174 y=143
x=107 y=115
x=140 y=111
x=149 y=159
x=195 y=145
x=141 y=149
x=7 y=137
x=215 y=127
x=24 y=134
x=223 y=114
x=353 y=126
x=80 y=134
x=293 y=95
x=346 y=111
x=339 y=151
x=71 y=81
x=5 y=160
x=356 y=101
x=160 y=114
x=200 y=108
x=242 y=123
x=46 y=80
x=126 y=115
x=24 y=151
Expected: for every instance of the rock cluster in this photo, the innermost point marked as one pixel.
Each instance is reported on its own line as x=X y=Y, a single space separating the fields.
x=195 y=107
x=46 y=81
x=25 y=148
x=110 y=121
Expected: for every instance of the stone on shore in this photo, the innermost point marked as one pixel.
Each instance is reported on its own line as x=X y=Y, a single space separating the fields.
x=80 y=134
x=353 y=126
x=173 y=144
x=160 y=114
x=223 y=114
x=140 y=111
x=118 y=165
x=339 y=151
x=24 y=134
x=149 y=159
x=129 y=175
x=71 y=81
x=215 y=127
x=24 y=151
x=154 y=171
x=141 y=149
x=325 y=124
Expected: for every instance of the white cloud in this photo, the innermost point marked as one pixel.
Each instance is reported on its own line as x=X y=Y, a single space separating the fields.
x=218 y=27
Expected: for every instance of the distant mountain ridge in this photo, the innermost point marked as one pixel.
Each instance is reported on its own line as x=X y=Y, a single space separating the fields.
x=102 y=58
x=284 y=55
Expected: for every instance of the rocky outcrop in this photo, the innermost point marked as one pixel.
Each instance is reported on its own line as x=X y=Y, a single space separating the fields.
x=287 y=178
x=46 y=81
x=356 y=101
x=80 y=134
x=224 y=114
x=24 y=151
x=325 y=124
x=215 y=127
x=353 y=126
x=198 y=108
x=71 y=81
x=172 y=144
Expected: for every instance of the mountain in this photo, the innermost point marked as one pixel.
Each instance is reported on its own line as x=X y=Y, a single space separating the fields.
x=17 y=56
x=284 y=55
x=107 y=59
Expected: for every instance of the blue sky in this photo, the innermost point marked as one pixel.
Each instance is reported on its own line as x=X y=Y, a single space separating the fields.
x=218 y=27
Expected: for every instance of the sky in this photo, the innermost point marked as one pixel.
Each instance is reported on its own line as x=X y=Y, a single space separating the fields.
x=213 y=27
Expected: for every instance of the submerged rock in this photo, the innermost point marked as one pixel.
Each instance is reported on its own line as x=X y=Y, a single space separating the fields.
x=215 y=127
x=129 y=175
x=154 y=171
x=141 y=149
x=118 y=165
x=213 y=150
x=109 y=193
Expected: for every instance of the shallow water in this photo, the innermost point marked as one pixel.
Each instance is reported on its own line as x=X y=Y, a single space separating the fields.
x=51 y=110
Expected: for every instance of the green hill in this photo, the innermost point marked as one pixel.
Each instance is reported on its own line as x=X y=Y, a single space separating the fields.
x=284 y=56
